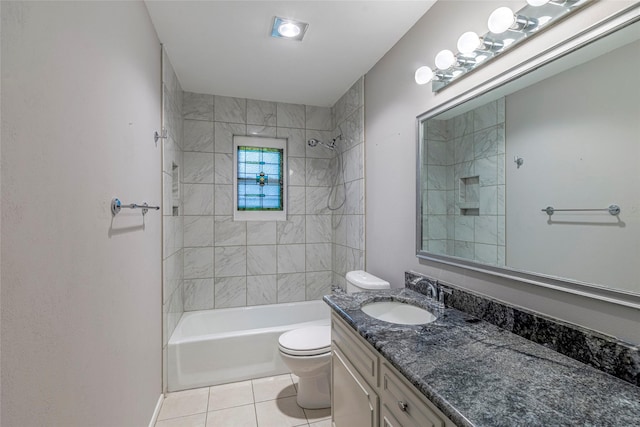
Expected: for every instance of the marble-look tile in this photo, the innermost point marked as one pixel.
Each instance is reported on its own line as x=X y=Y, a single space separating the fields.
x=261 y=232
x=316 y=200
x=501 y=230
x=223 y=135
x=292 y=230
x=198 y=168
x=262 y=113
x=296 y=142
x=463 y=170
x=318 y=284
x=318 y=256
x=271 y=388
x=198 y=263
x=318 y=229
x=439 y=153
x=230 y=110
x=223 y=200
x=500 y=165
x=501 y=141
x=485 y=116
x=437 y=227
x=489 y=200
x=339 y=262
x=486 y=229
x=297 y=170
x=174 y=311
x=437 y=177
x=172 y=232
x=353 y=164
x=198 y=136
x=197 y=106
x=182 y=403
x=339 y=229
x=352 y=130
x=261 y=260
x=170 y=150
x=339 y=280
x=291 y=258
x=436 y=202
x=223 y=168
x=485 y=142
x=461 y=125
x=319 y=174
x=437 y=247
x=296 y=197
x=290 y=115
x=463 y=149
x=228 y=232
x=230 y=292
x=173 y=273
x=198 y=294
x=230 y=261
x=198 y=199
x=319 y=151
x=262 y=290
x=436 y=130
x=318 y=118
x=291 y=287
x=487 y=170
x=355 y=259
x=266 y=131
x=464 y=228
x=197 y=420
x=463 y=249
x=355 y=197
x=355 y=231
x=501 y=209
x=198 y=231
x=502 y=256
x=487 y=254
x=230 y=395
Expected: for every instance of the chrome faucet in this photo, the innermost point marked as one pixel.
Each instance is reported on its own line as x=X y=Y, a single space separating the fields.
x=435 y=292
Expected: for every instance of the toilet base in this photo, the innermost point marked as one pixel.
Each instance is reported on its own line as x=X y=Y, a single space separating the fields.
x=315 y=392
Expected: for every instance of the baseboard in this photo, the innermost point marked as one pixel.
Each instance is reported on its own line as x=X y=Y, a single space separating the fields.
x=156 y=412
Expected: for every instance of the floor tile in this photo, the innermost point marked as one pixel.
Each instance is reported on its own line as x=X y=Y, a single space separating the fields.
x=283 y=412
x=273 y=388
x=182 y=403
x=323 y=423
x=314 y=415
x=230 y=395
x=240 y=416
x=295 y=379
x=197 y=420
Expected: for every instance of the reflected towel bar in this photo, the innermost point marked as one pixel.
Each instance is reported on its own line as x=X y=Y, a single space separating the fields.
x=612 y=209
x=116 y=206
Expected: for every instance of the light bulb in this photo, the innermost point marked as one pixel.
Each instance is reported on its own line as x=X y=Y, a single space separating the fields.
x=501 y=20
x=468 y=42
x=423 y=75
x=289 y=29
x=445 y=59
x=536 y=3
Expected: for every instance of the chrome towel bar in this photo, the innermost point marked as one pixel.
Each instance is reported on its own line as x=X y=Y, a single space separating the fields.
x=116 y=206
x=612 y=209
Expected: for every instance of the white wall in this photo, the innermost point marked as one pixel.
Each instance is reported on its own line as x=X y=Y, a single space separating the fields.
x=81 y=294
x=392 y=102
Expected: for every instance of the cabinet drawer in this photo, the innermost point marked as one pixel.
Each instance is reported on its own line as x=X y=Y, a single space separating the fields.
x=404 y=404
x=354 y=348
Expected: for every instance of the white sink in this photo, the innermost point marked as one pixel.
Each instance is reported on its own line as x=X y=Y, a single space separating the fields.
x=397 y=312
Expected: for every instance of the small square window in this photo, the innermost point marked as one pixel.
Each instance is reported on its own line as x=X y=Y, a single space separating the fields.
x=259 y=179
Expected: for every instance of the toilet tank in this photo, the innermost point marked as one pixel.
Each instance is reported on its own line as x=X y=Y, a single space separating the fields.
x=360 y=280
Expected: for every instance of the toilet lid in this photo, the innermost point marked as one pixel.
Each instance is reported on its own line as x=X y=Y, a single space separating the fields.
x=308 y=341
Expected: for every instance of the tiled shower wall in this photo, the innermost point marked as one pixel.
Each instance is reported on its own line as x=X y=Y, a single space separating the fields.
x=238 y=263
x=348 y=221
x=464 y=196
x=172 y=302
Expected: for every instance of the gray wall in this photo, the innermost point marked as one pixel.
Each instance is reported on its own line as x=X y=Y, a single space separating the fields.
x=392 y=102
x=81 y=296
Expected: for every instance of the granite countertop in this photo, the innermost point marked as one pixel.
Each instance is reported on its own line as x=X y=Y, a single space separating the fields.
x=480 y=375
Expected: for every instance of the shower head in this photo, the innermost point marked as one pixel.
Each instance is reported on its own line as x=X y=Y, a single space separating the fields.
x=331 y=145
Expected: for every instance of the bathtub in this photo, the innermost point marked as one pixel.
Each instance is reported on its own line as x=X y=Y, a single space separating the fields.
x=212 y=347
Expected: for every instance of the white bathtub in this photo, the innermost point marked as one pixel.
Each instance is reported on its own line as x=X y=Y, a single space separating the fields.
x=212 y=347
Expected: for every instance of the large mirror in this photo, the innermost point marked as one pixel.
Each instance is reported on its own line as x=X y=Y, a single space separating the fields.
x=564 y=135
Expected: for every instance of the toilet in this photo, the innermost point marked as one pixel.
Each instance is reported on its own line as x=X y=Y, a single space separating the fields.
x=307 y=351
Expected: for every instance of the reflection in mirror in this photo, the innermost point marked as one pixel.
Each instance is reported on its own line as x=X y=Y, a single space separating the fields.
x=567 y=136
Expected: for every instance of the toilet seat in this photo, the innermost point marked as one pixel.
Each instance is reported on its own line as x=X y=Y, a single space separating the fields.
x=309 y=341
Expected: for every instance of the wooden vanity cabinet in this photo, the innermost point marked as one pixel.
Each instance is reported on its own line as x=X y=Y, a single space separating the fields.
x=366 y=391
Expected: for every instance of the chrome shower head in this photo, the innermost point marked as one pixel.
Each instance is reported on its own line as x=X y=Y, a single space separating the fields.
x=313 y=142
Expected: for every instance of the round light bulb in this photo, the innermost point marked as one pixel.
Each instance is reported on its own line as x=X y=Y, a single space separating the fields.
x=423 y=75
x=468 y=42
x=536 y=3
x=288 y=29
x=445 y=59
x=501 y=20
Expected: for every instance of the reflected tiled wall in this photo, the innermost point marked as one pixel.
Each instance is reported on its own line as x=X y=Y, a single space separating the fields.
x=236 y=263
x=464 y=195
x=172 y=262
x=348 y=221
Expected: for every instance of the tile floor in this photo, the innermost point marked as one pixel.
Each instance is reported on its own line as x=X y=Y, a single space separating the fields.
x=264 y=402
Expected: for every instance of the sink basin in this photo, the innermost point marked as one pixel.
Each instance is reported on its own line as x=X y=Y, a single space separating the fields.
x=397 y=312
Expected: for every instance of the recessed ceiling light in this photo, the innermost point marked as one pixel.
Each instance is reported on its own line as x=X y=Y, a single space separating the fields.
x=291 y=29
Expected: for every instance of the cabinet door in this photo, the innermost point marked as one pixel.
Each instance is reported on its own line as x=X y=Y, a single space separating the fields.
x=387 y=419
x=354 y=402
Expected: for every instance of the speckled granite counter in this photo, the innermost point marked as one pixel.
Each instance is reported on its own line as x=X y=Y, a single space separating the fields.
x=480 y=375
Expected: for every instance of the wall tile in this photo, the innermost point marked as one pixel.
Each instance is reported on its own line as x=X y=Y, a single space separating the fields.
x=355 y=259
x=486 y=229
x=198 y=199
x=230 y=261
x=198 y=231
x=355 y=197
x=173 y=272
x=223 y=135
x=261 y=113
x=198 y=168
x=266 y=131
x=197 y=106
x=291 y=258
x=262 y=289
x=318 y=173
x=464 y=228
x=355 y=231
x=339 y=229
x=487 y=254
x=318 y=151
x=198 y=136
x=198 y=294
x=353 y=163
x=223 y=200
x=297 y=170
x=230 y=292
x=291 y=287
x=318 y=229
x=463 y=249
x=485 y=116
x=261 y=260
x=292 y=230
x=223 y=168
x=198 y=263
x=261 y=232
x=318 y=256
x=318 y=284
x=290 y=115
x=228 y=232
x=489 y=200
x=316 y=200
x=318 y=118
x=296 y=142
x=339 y=254
x=296 y=197
x=230 y=110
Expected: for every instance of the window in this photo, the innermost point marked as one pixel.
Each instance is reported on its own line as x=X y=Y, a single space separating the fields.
x=259 y=180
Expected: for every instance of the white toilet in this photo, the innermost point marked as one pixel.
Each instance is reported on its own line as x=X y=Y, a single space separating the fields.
x=307 y=351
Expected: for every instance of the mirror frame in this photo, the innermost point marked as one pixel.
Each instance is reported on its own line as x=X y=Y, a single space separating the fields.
x=593 y=33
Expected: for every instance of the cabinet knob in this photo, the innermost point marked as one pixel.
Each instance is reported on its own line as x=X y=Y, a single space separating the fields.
x=402 y=405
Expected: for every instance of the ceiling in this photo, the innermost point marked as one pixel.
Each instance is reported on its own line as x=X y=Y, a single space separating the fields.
x=225 y=48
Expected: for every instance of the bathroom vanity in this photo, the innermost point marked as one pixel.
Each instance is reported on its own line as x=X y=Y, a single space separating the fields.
x=460 y=371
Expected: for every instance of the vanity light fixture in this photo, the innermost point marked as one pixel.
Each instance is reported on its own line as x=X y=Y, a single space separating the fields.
x=506 y=29
x=291 y=29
